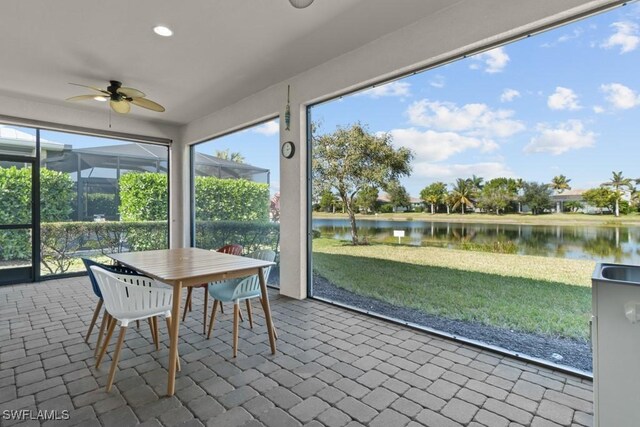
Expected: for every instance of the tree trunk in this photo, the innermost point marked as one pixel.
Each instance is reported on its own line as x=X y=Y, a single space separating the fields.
x=558 y=207
x=617 y=207
x=519 y=207
x=352 y=221
x=462 y=208
x=432 y=209
x=448 y=210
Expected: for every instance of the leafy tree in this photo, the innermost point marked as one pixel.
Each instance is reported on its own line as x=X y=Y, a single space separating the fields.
x=434 y=194
x=352 y=158
x=601 y=197
x=574 y=205
x=367 y=199
x=537 y=196
x=497 y=194
x=327 y=201
x=619 y=183
x=398 y=196
x=231 y=156
x=559 y=184
x=463 y=194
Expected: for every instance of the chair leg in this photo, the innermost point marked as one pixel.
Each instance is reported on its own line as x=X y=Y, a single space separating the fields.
x=206 y=307
x=103 y=351
x=177 y=358
x=213 y=317
x=187 y=303
x=103 y=327
x=116 y=357
x=221 y=308
x=137 y=324
x=236 y=324
x=154 y=333
x=248 y=301
x=157 y=331
x=96 y=313
x=240 y=313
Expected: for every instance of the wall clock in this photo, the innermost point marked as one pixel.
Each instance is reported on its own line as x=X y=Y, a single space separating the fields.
x=288 y=149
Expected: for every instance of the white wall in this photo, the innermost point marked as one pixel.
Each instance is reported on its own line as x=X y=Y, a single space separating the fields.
x=464 y=26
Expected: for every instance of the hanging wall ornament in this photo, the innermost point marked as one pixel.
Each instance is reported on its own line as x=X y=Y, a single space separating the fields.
x=287 y=111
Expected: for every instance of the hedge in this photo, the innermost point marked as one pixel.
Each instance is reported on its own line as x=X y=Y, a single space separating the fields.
x=252 y=235
x=56 y=189
x=231 y=199
x=62 y=242
x=144 y=196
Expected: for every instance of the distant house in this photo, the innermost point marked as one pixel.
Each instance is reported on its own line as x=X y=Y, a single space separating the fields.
x=414 y=201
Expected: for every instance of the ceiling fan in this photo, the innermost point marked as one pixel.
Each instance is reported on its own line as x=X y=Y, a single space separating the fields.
x=120 y=98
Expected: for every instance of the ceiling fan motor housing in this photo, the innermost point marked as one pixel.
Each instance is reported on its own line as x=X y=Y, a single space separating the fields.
x=113 y=90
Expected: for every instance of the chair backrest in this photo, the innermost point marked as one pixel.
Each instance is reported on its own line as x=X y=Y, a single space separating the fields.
x=88 y=263
x=231 y=249
x=122 y=297
x=251 y=284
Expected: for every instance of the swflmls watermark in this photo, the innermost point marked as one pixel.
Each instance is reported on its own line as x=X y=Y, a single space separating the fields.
x=30 y=414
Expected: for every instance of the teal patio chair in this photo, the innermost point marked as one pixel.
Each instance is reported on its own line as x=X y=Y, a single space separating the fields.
x=237 y=290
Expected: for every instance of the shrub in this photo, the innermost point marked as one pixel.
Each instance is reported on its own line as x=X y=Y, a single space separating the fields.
x=56 y=190
x=252 y=235
x=144 y=196
x=386 y=208
x=231 y=199
x=102 y=204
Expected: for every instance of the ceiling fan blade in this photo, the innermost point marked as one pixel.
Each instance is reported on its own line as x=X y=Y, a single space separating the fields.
x=91 y=87
x=121 y=107
x=130 y=92
x=148 y=104
x=83 y=97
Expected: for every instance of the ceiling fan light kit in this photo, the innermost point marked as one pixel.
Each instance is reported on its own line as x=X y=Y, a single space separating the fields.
x=300 y=4
x=120 y=98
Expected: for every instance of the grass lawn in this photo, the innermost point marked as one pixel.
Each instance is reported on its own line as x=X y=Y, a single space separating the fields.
x=546 y=219
x=550 y=296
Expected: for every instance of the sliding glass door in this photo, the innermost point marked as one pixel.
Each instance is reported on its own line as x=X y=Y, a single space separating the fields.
x=17 y=223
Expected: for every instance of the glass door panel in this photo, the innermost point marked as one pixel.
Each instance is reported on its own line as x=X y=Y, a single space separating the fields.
x=16 y=220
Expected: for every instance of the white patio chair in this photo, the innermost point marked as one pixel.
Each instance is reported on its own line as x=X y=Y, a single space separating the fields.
x=235 y=290
x=128 y=298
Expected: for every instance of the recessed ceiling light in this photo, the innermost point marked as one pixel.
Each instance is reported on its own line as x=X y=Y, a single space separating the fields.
x=100 y=98
x=163 y=31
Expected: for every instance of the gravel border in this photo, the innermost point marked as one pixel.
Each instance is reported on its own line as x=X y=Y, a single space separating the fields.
x=575 y=353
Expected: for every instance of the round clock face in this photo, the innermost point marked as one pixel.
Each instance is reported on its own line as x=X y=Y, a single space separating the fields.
x=288 y=149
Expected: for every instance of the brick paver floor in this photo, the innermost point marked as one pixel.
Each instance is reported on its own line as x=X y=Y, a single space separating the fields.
x=333 y=368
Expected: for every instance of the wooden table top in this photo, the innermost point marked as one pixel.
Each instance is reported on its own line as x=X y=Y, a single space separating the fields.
x=190 y=266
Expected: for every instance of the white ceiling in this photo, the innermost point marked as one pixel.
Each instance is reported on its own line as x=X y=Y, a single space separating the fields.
x=222 y=50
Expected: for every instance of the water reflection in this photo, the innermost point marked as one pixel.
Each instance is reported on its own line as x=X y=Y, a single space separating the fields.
x=611 y=244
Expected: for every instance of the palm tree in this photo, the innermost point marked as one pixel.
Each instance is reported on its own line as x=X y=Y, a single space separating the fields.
x=476 y=183
x=227 y=155
x=559 y=184
x=462 y=194
x=519 y=186
x=618 y=183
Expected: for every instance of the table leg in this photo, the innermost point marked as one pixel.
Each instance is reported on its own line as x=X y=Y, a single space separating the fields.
x=267 y=310
x=175 y=327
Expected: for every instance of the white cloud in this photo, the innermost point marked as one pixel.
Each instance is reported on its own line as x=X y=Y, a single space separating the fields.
x=620 y=96
x=495 y=60
x=509 y=95
x=477 y=120
x=441 y=171
x=563 y=99
x=577 y=32
x=437 y=81
x=598 y=109
x=570 y=135
x=389 y=89
x=269 y=128
x=626 y=35
x=432 y=146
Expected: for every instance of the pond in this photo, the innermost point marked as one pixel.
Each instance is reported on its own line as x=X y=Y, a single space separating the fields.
x=598 y=243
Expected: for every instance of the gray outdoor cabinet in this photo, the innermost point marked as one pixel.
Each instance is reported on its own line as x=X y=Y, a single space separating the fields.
x=616 y=345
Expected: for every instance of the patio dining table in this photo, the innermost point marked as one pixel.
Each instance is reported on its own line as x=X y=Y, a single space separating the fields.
x=186 y=267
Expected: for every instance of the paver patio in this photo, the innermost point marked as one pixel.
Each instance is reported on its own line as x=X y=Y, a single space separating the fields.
x=333 y=368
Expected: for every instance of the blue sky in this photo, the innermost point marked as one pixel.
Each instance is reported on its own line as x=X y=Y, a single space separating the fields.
x=563 y=102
